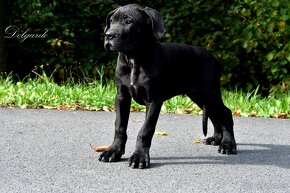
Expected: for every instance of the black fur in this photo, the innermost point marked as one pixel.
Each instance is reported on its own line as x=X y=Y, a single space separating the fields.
x=151 y=72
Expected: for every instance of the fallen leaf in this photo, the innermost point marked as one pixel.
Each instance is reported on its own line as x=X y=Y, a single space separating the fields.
x=244 y=115
x=281 y=115
x=253 y=114
x=106 y=109
x=100 y=148
x=236 y=114
x=179 y=111
x=49 y=107
x=197 y=141
x=135 y=120
x=63 y=107
x=160 y=133
x=189 y=110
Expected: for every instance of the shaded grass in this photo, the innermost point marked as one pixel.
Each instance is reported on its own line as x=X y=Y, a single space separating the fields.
x=42 y=92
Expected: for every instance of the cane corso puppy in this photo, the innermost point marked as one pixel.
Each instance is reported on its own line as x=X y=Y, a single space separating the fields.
x=151 y=72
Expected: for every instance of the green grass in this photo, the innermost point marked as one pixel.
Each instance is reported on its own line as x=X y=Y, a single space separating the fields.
x=42 y=92
x=253 y=104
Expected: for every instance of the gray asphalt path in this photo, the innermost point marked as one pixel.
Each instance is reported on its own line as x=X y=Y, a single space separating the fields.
x=49 y=151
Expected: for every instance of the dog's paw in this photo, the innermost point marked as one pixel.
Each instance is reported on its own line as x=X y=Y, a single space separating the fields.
x=140 y=159
x=214 y=140
x=111 y=155
x=227 y=148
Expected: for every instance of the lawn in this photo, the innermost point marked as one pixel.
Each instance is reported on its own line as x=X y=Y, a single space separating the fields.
x=42 y=92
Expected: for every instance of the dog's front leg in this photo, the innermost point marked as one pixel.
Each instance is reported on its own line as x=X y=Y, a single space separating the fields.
x=140 y=158
x=122 y=105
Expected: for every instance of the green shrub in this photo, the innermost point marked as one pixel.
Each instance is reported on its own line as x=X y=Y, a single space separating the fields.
x=251 y=38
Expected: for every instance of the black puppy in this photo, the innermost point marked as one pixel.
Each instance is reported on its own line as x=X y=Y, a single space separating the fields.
x=151 y=72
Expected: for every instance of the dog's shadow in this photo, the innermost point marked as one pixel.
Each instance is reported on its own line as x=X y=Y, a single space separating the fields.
x=248 y=154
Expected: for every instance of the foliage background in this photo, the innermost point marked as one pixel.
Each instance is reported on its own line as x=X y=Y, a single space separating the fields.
x=251 y=38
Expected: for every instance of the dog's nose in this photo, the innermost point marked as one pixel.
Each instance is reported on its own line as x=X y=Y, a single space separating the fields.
x=110 y=35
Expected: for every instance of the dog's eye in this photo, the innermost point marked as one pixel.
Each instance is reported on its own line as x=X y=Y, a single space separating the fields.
x=128 y=20
x=111 y=20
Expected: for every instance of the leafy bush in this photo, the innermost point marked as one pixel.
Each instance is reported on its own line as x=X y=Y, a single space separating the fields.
x=74 y=47
x=251 y=38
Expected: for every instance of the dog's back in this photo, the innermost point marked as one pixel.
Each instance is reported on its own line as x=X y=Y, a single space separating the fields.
x=193 y=63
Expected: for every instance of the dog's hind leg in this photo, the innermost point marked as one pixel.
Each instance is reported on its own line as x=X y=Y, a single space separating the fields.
x=222 y=120
x=228 y=143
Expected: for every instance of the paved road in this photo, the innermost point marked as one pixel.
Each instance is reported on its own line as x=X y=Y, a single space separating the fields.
x=49 y=151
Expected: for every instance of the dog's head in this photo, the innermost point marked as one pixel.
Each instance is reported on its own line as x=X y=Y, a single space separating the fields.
x=130 y=26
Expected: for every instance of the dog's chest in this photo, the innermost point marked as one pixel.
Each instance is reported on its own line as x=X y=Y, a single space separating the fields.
x=140 y=82
x=134 y=74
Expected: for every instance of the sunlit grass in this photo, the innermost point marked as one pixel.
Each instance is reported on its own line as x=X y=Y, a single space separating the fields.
x=42 y=92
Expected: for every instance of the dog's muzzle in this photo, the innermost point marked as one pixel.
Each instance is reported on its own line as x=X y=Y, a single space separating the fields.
x=110 y=38
x=111 y=35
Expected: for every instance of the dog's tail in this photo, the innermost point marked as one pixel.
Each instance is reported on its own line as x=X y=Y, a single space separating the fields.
x=204 y=121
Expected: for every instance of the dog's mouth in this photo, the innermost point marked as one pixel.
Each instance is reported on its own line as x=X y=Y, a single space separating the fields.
x=109 y=46
x=116 y=45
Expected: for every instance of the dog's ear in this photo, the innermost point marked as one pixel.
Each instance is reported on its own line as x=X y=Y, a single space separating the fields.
x=108 y=19
x=157 y=23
